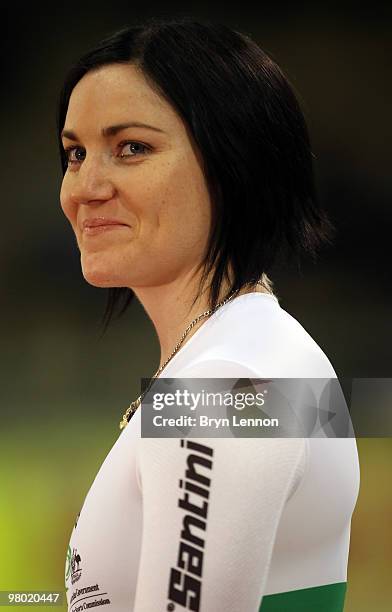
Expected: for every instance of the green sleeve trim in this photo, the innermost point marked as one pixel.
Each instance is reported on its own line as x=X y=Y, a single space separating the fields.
x=326 y=598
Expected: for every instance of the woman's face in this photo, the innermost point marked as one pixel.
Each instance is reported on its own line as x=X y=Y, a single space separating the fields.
x=149 y=180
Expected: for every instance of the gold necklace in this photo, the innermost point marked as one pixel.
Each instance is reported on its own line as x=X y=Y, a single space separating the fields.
x=134 y=405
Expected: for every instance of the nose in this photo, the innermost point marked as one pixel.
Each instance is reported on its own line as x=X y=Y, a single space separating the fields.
x=91 y=183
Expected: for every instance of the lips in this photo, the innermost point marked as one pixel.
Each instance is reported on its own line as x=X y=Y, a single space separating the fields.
x=100 y=222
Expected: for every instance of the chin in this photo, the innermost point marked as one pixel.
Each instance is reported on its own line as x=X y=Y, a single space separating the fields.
x=99 y=282
x=101 y=277
x=98 y=269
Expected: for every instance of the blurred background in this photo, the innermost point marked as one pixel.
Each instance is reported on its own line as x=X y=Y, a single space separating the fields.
x=64 y=389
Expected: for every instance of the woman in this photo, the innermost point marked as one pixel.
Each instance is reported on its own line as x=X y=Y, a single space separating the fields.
x=187 y=173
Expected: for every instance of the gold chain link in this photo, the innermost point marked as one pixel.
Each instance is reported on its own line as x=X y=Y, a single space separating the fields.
x=134 y=405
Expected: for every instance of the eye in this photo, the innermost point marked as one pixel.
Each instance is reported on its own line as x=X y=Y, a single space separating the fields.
x=74 y=155
x=132 y=149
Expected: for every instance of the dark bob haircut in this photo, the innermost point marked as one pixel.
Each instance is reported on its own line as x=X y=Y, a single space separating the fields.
x=246 y=121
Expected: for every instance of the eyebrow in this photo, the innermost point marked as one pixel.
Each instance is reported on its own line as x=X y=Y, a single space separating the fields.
x=112 y=130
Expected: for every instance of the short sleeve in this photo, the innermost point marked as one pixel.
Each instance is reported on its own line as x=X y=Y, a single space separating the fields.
x=211 y=511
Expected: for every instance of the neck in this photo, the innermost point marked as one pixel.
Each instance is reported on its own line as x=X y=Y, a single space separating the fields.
x=169 y=306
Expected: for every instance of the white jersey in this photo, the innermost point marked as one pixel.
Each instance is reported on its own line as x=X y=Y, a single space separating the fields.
x=221 y=525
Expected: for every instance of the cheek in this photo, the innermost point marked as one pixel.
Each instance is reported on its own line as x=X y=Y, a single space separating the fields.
x=179 y=197
x=191 y=209
x=182 y=217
